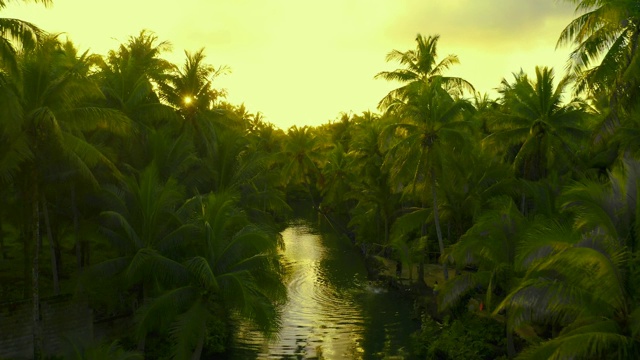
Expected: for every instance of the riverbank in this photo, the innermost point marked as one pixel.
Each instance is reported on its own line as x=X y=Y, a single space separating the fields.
x=423 y=295
x=409 y=276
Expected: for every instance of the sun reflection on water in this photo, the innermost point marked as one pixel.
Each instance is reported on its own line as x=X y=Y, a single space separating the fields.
x=323 y=316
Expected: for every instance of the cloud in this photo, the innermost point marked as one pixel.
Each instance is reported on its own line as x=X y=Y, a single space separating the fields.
x=494 y=24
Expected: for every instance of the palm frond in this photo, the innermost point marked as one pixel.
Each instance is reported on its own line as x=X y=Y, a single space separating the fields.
x=189 y=330
x=201 y=269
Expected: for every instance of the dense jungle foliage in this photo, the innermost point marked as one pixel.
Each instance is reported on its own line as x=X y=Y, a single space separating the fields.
x=129 y=181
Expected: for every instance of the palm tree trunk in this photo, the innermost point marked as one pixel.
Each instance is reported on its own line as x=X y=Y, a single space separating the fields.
x=511 y=348
x=197 y=353
x=54 y=260
x=76 y=230
x=313 y=200
x=420 y=278
x=143 y=337
x=436 y=218
x=3 y=249
x=386 y=231
x=27 y=261
x=421 y=282
x=35 y=276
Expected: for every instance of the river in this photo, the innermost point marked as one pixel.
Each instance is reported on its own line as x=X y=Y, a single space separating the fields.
x=332 y=311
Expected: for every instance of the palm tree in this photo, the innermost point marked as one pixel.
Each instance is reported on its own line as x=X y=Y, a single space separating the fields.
x=51 y=97
x=579 y=285
x=430 y=131
x=337 y=178
x=301 y=153
x=607 y=31
x=341 y=131
x=376 y=200
x=487 y=109
x=468 y=184
x=129 y=78
x=490 y=245
x=235 y=272
x=143 y=224
x=189 y=89
x=421 y=66
x=24 y=33
x=583 y=281
x=264 y=149
x=428 y=107
x=544 y=129
x=14 y=145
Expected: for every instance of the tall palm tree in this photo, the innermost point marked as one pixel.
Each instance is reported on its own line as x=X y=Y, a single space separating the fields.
x=52 y=97
x=428 y=106
x=301 y=156
x=337 y=178
x=421 y=66
x=189 y=89
x=265 y=147
x=607 y=31
x=468 y=184
x=24 y=33
x=129 y=78
x=14 y=145
x=429 y=131
x=545 y=130
x=376 y=201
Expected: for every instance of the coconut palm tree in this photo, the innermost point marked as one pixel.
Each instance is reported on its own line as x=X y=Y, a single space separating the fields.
x=143 y=224
x=52 y=98
x=24 y=33
x=584 y=281
x=337 y=178
x=189 y=89
x=606 y=31
x=578 y=284
x=430 y=131
x=54 y=94
x=535 y=118
x=421 y=66
x=301 y=154
x=489 y=245
x=129 y=78
x=14 y=145
x=376 y=201
x=234 y=272
x=467 y=185
x=428 y=107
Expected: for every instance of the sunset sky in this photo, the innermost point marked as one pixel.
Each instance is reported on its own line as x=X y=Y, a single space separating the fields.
x=303 y=62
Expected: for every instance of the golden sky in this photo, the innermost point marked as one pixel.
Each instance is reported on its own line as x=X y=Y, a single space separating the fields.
x=303 y=62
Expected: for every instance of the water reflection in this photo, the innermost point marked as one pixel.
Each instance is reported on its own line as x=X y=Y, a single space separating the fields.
x=332 y=312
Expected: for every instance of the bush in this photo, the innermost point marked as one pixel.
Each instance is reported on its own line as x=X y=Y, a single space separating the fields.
x=470 y=337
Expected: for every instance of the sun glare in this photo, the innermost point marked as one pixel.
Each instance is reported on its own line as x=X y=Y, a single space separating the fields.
x=187 y=100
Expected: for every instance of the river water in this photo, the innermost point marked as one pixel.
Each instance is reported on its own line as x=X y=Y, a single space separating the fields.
x=332 y=311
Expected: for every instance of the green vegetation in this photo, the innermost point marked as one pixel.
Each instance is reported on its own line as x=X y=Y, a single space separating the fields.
x=128 y=180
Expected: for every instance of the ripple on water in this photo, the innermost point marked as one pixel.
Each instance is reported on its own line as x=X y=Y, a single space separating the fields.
x=319 y=317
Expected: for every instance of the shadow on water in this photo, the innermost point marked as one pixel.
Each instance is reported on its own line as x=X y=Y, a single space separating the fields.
x=332 y=311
